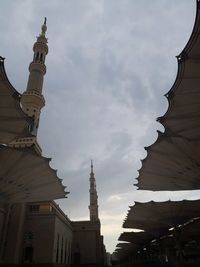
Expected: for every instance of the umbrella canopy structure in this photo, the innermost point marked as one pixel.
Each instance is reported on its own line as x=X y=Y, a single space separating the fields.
x=191 y=231
x=124 y=249
x=26 y=176
x=128 y=246
x=14 y=123
x=172 y=161
x=158 y=217
x=139 y=238
x=183 y=115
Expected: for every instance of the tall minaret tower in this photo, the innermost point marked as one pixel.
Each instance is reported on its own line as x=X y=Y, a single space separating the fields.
x=93 y=207
x=32 y=99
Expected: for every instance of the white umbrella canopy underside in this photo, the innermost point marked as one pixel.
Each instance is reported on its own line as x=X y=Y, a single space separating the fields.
x=14 y=123
x=27 y=177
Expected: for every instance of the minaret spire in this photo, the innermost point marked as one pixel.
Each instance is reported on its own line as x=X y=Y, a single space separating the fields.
x=93 y=207
x=91 y=166
x=32 y=99
x=44 y=27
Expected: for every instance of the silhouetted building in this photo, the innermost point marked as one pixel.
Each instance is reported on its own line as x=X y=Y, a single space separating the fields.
x=87 y=242
x=39 y=232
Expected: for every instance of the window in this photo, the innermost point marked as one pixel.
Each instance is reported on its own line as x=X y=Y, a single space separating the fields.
x=34 y=208
x=37 y=56
x=61 y=251
x=57 y=250
x=28 y=254
x=65 y=251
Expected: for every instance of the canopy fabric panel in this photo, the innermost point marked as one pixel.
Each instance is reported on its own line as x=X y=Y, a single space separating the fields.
x=14 y=123
x=127 y=246
x=124 y=249
x=191 y=231
x=183 y=115
x=158 y=217
x=139 y=238
x=172 y=163
x=27 y=177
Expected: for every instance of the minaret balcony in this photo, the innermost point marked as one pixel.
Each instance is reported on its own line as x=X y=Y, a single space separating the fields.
x=27 y=142
x=37 y=66
x=40 y=47
x=33 y=97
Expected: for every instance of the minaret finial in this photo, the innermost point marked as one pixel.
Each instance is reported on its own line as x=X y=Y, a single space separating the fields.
x=91 y=166
x=44 y=27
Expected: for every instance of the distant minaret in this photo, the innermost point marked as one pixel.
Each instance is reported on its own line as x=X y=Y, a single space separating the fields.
x=32 y=99
x=93 y=207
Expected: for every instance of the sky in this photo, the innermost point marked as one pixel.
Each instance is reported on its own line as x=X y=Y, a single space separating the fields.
x=109 y=65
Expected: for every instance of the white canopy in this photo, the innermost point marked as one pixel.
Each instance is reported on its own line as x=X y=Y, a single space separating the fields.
x=14 y=123
x=27 y=177
x=172 y=162
x=158 y=217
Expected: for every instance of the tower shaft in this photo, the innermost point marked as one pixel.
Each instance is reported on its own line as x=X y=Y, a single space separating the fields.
x=93 y=207
x=32 y=99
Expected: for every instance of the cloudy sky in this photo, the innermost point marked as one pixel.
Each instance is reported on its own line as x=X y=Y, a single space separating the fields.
x=109 y=64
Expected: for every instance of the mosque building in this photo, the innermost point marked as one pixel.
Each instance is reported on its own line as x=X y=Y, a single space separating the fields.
x=33 y=229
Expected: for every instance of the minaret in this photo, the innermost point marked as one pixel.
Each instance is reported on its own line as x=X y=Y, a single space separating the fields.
x=93 y=207
x=32 y=99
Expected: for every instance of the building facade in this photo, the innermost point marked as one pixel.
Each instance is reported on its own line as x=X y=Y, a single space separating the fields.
x=40 y=233
x=46 y=235
x=88 y=248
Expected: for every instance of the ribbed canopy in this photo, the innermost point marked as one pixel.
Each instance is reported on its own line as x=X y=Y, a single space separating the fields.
x=187 y=233
x=124 y=249
x=127 y=246
x=14 y=123
x=139 y=238
x=26 y=177
x=158 y=217
x=191 y=231
x=172 y=162
x=183 y=115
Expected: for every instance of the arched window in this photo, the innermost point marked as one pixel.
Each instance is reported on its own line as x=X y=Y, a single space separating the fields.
x=28 y=254
x=41 y=57
x=77 y=256
x=57 y=249
x=65 y=251
x=37 y=56
x=61 y=251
